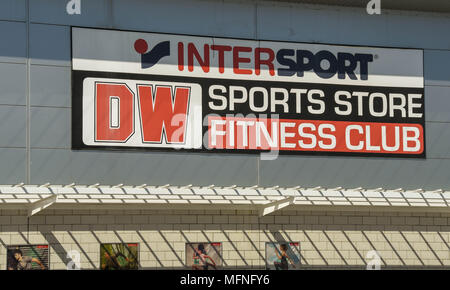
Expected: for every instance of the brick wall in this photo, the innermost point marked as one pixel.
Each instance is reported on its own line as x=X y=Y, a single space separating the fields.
x=330 y=239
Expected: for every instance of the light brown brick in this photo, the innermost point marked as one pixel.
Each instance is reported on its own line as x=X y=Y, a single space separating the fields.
x=72 y=219
x=281 y=219
x=311 y=219
x=204 y=219
x=398 y=220
x=220 y=219
x=369 y=220
x=355 y=220
x=325 y=220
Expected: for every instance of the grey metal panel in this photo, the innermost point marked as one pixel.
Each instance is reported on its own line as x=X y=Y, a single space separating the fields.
x=293 y=22
x=416 y=5
x=234 y=20
x=352 y=172
x=437 y=104
x=12 y=10
x=438 y=140
x=274 y=22
x=215 y=18
x=320 y=24
x=50 y=44
x=12 y=83
x=12 y=126
x=13 y=165
x=87 y=167
x=50 y=127
x=361 y=29
x=437 y=67
x=93 y=13
x=416 y=30
x=13 y=44
x=298 y=22
x=50 y=86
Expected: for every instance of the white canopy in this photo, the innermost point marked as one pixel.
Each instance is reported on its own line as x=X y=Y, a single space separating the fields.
x=265 y=199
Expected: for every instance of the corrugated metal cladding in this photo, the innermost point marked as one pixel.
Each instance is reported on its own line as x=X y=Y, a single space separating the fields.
x=35 y=97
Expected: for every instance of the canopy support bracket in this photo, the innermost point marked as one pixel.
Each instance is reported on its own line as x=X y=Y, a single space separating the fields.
x=274 y=206
x=41 y=204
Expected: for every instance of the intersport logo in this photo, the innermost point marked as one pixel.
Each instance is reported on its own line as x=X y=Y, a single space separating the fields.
x=282 y=62
x=149 y=59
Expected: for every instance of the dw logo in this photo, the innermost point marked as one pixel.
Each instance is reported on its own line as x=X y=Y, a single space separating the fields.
x=149 y=59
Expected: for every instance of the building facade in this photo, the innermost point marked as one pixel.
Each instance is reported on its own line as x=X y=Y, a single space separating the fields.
x=338 y=211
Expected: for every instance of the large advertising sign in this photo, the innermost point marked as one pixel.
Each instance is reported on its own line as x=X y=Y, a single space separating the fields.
x=164 y=91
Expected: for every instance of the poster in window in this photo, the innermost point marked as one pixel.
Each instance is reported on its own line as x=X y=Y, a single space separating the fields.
x=204 y=256
x=119 y=256
x=282 y=256
x=27 y=257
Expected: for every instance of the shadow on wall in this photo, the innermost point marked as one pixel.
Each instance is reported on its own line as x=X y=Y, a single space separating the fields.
x=342 y=240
